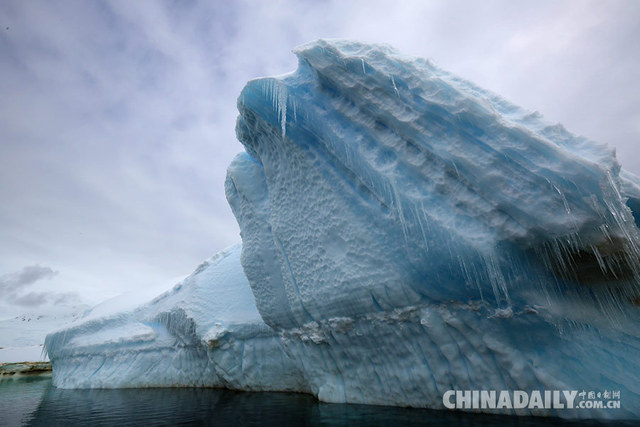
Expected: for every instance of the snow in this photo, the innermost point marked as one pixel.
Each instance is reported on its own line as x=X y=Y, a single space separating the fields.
x=206 y=331
x=22 y=337
x=405 y=233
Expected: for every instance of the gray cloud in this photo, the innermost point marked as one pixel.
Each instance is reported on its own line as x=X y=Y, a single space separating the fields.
x=14 y=289
x=39 y=299
x=32 y=299
x=14 y=282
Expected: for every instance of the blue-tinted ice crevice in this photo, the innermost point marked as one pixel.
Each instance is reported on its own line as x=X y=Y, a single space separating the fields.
x=404 y=233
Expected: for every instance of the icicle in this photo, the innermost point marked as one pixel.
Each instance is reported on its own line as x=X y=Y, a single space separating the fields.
x=295 y=108
x=395 y=87
x=456 y=168
x=599 y=259
x=564 y=200
x=398 y=205
x=282 y=109
x=422 y=220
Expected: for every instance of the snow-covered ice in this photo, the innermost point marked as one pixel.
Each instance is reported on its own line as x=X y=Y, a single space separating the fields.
x=205 y=331
x=405 y=233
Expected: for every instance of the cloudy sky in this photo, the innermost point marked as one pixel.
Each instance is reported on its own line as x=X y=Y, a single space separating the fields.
x=117 y=118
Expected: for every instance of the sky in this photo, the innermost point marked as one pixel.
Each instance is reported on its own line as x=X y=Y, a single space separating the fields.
x=117 y=118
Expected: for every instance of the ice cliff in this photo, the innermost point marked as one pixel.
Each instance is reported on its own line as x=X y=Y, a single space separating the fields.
x=405 y=233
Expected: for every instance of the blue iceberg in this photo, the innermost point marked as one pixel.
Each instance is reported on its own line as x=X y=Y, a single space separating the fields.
x=405 y=233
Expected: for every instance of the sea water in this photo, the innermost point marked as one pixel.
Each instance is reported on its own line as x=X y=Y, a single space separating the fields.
x=33 y=401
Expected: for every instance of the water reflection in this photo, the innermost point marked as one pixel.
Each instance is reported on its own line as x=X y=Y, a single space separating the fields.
x=215 y=407
x=20 y=396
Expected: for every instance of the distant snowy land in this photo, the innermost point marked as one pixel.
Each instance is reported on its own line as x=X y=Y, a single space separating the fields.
x=22 y=337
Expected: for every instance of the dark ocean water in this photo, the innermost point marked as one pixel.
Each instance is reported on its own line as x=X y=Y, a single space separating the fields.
x=33 y=401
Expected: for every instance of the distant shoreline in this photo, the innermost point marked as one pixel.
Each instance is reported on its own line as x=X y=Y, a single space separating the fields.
x=24 y=368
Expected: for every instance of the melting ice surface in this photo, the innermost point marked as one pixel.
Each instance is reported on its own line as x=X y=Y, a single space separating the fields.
x=404 y=233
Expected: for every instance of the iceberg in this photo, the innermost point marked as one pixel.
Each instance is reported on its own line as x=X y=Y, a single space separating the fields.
x=405 y=233
x=205 y=332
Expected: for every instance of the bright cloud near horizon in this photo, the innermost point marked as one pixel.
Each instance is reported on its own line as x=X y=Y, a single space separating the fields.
x=117 y=118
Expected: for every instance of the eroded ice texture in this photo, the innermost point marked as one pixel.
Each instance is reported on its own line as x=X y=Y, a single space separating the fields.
x=206 y=331
x=405 y=233
x=408 y=232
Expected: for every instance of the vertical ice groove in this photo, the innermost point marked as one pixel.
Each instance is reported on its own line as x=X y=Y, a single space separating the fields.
x=292 y=275
x=496 y=278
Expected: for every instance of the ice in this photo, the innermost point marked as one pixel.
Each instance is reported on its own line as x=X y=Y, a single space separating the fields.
x=404 y=233
x=205 y=331
x=472 y=244
x=22 y=337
